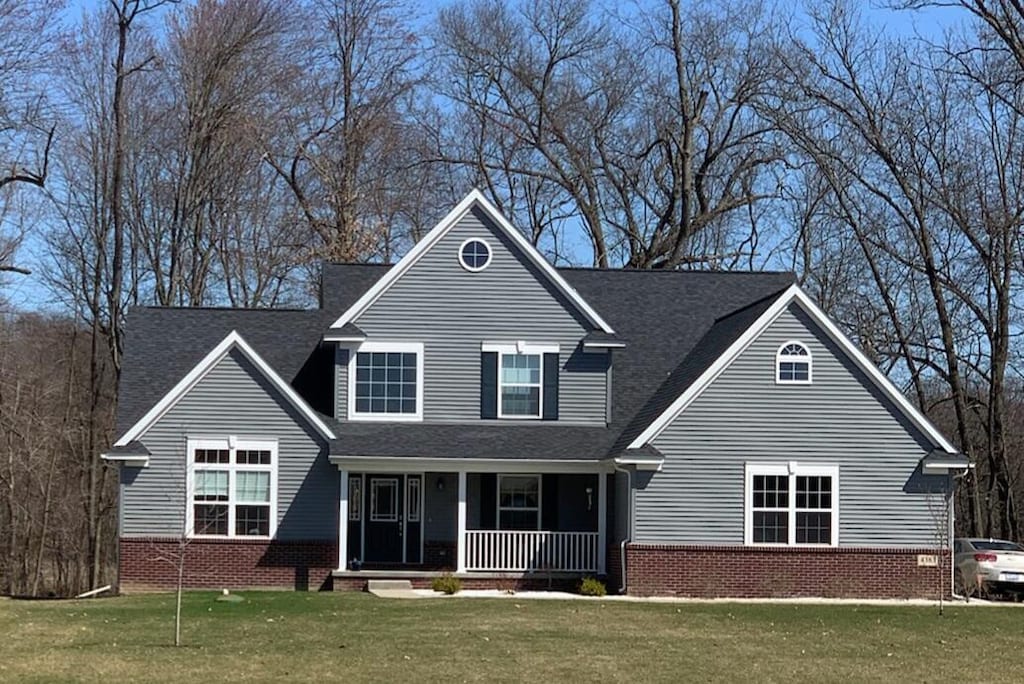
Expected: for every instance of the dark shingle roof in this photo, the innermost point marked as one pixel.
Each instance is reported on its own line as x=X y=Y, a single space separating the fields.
x=662 y=316
x=674 y=324
x=133 y=448
x=163 y=344
x=342 y=284
x=476 y=440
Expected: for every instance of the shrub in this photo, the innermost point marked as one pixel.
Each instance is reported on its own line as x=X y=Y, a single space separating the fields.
x=591 y=586
x=447 y=584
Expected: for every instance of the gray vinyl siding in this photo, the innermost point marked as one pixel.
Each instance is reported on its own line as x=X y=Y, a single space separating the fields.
x=840 y=419
x=440 y=507
x=341 y=383
x=451 y=311
x=233 y=399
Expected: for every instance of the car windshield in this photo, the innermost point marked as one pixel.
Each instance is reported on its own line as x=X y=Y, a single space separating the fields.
x=996 y=546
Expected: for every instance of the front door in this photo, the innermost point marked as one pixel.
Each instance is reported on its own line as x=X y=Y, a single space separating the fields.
x=384 y=518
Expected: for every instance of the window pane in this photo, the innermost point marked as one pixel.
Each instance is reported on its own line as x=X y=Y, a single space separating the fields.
x=412 y=504
x=519 y=492
x=212 y=456
x=385 y=382
x=794 y=350
x=771 y=527
x=210 y=519
x=771 y=491
x=211 y=485
x=252 y=520
x=813 y=528
x=813 y=491
x=252 y=457
x=250 y=486
x=794 y=371
x=520 y=401
x=383 y=500
x=355 y=498
x=518 y=520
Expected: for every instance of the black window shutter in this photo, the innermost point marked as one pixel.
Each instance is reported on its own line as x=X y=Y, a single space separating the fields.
x=489 y=384
x=549 y=502
x=488 y=501
x=550 y=387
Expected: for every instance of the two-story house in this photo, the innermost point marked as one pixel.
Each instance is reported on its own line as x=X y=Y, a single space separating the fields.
x=472 y=408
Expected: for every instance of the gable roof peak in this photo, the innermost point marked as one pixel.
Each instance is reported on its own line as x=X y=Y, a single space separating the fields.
x=474 y=198
x=232 y=341
x=791 y=295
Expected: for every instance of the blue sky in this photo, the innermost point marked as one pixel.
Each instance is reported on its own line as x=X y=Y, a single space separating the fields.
x=28 y=292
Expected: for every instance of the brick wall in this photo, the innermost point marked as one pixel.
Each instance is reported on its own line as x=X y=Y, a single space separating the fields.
x=743 y=572
x=439 y=555
x=227 y=564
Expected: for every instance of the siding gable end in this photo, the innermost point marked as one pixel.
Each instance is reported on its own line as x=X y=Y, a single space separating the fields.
x=794 y=297
x=476 y=203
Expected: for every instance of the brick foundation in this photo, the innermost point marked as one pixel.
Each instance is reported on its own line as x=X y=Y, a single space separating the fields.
x=744 y=572
x=227 y=564
x=439 y=555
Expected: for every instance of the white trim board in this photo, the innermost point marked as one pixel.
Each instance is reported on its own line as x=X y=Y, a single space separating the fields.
x=201 y=369
x=793 y=294
x=439 y=231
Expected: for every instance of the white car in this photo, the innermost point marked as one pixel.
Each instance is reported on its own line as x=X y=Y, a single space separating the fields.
x=985 y=566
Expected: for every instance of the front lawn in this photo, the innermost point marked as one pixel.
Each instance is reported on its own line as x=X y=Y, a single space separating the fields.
x=356 y=637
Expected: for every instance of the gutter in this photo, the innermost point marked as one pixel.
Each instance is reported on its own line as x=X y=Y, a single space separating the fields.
x=629 y=525
x=949 y=533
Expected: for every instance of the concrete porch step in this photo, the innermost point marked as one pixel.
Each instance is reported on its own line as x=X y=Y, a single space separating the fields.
x=375 y=585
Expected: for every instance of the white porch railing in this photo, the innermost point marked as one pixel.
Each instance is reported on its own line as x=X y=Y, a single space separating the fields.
x=528 y=551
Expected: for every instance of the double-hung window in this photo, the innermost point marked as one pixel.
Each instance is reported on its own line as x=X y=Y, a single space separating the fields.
x=519 y=386
x=518 y=502
x=386 y=381
x=791 y=504
x=232 y=486
x=519 y=380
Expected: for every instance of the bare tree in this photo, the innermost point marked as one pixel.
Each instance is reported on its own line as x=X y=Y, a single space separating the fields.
x=27 y=126
x=922 y=165
x=645 y=132
x=346 y=146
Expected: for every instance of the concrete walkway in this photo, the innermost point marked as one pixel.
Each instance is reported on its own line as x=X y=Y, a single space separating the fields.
x=395 y=589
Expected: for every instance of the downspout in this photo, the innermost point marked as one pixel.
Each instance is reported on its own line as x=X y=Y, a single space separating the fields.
x=949 y=535
x=629 y=525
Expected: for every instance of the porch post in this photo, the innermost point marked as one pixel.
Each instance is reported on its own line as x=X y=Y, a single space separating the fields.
x=602 y=521
x=343 y=522
x=460 y=548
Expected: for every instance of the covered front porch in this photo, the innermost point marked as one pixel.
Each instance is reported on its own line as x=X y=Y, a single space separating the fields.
x=474 y=518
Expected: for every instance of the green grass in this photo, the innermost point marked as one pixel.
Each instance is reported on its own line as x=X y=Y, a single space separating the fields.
x=305 y=636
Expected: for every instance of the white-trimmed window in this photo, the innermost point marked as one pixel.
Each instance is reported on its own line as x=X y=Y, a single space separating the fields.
x=791 y=504
x=793 y=364
x=519 y=380
x=518 y=502
x=386 y=381
x=474 y=254
x=232 y=488
x=520 y=385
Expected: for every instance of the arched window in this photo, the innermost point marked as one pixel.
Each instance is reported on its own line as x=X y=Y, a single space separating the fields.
x=793 y=364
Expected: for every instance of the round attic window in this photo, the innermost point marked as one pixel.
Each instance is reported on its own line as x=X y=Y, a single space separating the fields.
x=474 y=255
